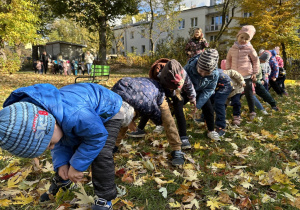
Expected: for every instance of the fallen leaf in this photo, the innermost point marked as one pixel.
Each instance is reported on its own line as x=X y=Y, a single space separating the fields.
x=163 y=191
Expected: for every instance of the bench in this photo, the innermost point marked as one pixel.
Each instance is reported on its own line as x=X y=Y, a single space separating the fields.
x=98 y=73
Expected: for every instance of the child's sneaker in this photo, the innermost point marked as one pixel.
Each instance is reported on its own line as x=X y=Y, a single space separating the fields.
x=264 y=112
x=56 y=183
x=102 y=204
x=159 y=129
x=137 y=134
x=252 y=115
x=275 y=108
x=177 y=157
x=220 y=131
x=213 y=135
x=185 y=142
x=200 y=120
x=236 y=120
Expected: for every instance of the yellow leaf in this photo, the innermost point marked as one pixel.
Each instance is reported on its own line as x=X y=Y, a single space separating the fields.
x=219 y=186
x=129 y=204
x=26 y=172
x=23 y=200
x=213 y=203
x=82 y=196
x=292 y=172
x=175 y=205
x=5 y=203
x=13 y=181
x=160 y=182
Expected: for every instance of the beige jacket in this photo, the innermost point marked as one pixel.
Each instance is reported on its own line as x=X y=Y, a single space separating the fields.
x=237 y=82
x=243 y=59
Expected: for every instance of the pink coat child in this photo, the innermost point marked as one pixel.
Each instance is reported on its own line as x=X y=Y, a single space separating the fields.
x=65 y=67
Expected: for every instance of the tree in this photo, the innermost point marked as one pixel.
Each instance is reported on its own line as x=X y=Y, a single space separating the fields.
x=162 y=19
x=95 y=15
x=276 y=23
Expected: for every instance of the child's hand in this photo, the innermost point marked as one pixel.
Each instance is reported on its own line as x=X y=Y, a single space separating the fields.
x=74 y=175
x=253 y=77
x=63 y=172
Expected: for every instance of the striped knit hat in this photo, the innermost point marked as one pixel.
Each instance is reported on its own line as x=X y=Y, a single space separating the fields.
x=25 y=129
x=208 y=60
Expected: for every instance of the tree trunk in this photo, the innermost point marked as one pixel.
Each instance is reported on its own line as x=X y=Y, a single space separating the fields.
x=151 y=29
x=283 y=53
x=102 y=40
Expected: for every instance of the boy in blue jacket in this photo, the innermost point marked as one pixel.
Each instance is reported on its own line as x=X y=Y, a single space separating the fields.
x=78 y=122
x=202 y=70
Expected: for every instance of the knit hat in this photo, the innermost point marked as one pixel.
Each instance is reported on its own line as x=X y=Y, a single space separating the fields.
x=265 y=56
x=248 y=29
x=128 y=114
x=208 y=60
x=172 y=75
x=25 y=129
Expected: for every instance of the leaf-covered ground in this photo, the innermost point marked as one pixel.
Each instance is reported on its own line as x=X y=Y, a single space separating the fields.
x=255 y=166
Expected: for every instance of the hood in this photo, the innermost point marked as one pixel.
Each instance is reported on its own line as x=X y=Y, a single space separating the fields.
x=273 y=52
x=156 y=67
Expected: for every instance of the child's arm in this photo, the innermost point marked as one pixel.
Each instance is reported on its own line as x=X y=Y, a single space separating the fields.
x=205 y=94
x=254 y=60
x=236 y=76
x=188 y=87
x=228 y=60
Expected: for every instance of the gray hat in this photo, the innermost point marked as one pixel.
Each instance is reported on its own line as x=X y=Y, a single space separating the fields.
x=265 y=56
x=208 y=60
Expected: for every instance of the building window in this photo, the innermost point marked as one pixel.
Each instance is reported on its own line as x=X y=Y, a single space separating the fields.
x=132 y=35
x=212 y=38
x=181 y=24
x=113 y=51
x=132 y=49
x=143 y=49
x=143 y=33
x=194 y=22
x=247 y=14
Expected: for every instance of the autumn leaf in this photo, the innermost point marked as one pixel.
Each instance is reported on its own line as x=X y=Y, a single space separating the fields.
x=213 y=203
x=175 y=205
x=219 y=186
x=23 y=200
x=82 y=196
x=5 y=203
x=163 y=191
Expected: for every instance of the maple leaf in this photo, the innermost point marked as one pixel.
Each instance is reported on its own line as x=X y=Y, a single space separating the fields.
x=213 y=203
x=190 y=175
x=5 y=203
x=246 y=184
x=188 y=197
x=82 y=196
x=23 y=200
x=163 y=191
x=129 y=204
x=13 y=181
x=175 y=205
x=47 y=167
x=194 y=202
x=293 y=172
x=121 y=191
x=296 y=203
x=219 y=186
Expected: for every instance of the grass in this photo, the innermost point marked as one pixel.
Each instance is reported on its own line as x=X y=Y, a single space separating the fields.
x=251 y=162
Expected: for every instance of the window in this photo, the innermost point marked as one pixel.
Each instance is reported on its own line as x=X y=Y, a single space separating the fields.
x=194 y=22
x=132 y=49
x=143 y=49
x=132 y=35
x=181 y=24
x=113 y=51
x=247 y=14
x=143 y=33
x=212 y=38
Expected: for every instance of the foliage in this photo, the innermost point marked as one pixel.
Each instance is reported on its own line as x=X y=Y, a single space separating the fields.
x=11 y=64
x=256 y=165
x=18 y=22
x=94 y=15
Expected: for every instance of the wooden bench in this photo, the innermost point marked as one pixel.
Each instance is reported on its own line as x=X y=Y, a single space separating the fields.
x=98 y=73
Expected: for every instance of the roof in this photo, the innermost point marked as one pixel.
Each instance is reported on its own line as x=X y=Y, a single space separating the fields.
x=68 y=43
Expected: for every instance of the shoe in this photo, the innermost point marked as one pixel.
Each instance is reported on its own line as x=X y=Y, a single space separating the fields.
x=159 y=129
x=138 y=133
x=285 y=93
x=102 y=204
x=236 y=120
x=177 y=157
x=201 y=119
x=116 y=149
x=275 y=108
x=264 y=112
x=185 y=142
x=220 y=131
x=56 y=183
x=252 y=115
x=213 y=135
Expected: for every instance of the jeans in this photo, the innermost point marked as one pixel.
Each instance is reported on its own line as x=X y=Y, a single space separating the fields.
x=264 y=94
x=249 y=94
x=236 y=104
x=257 y=103
x=89 y=66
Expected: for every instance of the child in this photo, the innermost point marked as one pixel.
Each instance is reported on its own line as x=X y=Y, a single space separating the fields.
x=78 y=122
x=165 y=71
x=75 y=66
x=274 y=73
x=243 y=58
x=65 y=67
x=50 y=66
x=39 y=66
x=282 y=73
x=196 y=44
x=147 y=97
x=202 y=70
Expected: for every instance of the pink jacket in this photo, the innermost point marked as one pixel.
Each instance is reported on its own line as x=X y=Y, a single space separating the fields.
x=243 y=59
x=279 y=61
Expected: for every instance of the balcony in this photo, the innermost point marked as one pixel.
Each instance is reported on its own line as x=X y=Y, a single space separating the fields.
x=212 y=28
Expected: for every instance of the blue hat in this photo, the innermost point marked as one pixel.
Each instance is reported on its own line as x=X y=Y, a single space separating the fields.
x=25 y=129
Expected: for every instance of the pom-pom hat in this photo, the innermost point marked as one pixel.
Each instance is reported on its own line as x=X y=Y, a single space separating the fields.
x=208 y=60
x=25 y=129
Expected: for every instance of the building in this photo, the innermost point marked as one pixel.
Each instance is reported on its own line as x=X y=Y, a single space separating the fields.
x=68 y=51
x=130 y=39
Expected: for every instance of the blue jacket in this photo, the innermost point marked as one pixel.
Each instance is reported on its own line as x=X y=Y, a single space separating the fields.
x=274 y=65
x=224 y=85
x=145 y=95
x=81 y=111
x=204 y=86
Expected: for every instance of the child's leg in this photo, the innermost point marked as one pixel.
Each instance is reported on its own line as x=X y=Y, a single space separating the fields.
x=170 y=127
x=276 y=87
x=264 y=94
x=236 y=104
x=208 y=111
x=179 y=114
x=257 y=103
x=103 y=168
x=220 y=109
x=249 y=94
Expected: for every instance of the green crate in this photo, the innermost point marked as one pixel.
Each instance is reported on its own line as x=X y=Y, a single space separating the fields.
x=100 y=70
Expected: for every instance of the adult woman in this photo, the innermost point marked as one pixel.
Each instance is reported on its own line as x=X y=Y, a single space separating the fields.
x=89 y=58
x=196 y=44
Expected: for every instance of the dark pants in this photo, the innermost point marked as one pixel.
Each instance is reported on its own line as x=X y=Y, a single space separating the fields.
x=219 y=103
x=249 y=94
x=208 y=112
x=236 y=104
x=264 y=94
x=276 y=87
x=103 y=168
x=280 y=82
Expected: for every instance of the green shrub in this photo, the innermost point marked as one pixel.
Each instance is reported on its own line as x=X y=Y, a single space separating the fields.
x=10 y=64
